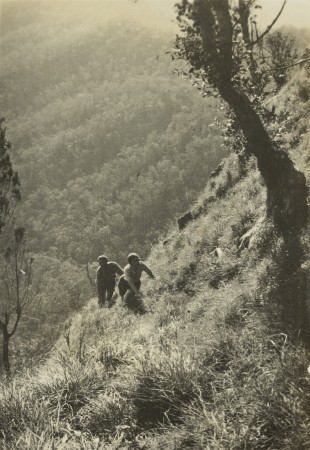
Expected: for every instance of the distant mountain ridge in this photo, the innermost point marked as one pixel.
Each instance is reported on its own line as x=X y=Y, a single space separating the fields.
x=110 y=145
x=80 y=98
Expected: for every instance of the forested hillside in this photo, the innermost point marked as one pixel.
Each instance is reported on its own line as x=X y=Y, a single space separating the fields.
x=111 y=148
x=96 y=116
x=217 y=362
x=109 y=144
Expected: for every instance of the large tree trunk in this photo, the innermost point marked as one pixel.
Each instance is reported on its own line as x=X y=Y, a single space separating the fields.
x=286 y=207
x=286 y=187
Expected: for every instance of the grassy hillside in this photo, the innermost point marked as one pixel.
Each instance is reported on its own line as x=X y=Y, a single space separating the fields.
x=101 y=132
x=217 y=362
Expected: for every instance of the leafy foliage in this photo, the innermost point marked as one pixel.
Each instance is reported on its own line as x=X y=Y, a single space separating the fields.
x=283 y=53
x=211 y=365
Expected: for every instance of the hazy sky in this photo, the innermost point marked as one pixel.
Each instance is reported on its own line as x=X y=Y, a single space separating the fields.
x=296 y=12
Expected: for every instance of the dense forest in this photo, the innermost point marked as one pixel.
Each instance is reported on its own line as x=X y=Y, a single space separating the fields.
x=117 y=130
x=110 y=145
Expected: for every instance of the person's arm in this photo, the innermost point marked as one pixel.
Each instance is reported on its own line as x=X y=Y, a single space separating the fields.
x=118 y=269
x=99 y=276
x=130 y=281
x=99 y=280
x=147 y=270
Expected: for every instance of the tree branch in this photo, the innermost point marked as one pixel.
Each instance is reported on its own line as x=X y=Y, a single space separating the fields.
x=270 y=26
x=225 y=33
x=88 y=276
x=19 y=314
x=244 y=13
x=300 y=61
x=216 y=33
x=87 y=269
x=204 y=16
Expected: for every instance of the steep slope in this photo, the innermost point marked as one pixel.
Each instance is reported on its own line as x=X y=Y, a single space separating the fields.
x=101 y=132
x=214 y=364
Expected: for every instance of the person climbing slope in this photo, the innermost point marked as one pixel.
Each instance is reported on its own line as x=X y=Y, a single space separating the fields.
x=105 y=280
x=130 y=283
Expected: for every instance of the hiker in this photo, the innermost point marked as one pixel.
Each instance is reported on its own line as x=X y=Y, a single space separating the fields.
x=130 y=283
x=105 y=280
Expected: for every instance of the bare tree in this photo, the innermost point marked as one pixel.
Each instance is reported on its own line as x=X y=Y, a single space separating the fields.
x=9 y=198
x=15 y=290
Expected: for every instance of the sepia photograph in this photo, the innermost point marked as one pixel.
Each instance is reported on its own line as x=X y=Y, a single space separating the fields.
x=154 y=224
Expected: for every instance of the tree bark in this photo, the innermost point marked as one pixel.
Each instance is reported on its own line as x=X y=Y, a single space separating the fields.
x=286 y=187
x=287 y=191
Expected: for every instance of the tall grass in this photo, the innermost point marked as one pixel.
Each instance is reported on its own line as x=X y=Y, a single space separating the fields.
x=213 y=365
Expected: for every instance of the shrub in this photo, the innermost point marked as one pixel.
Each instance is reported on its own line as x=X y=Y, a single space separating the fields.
x=165 y=382
x=106 y=414
x=71 y=388
x=17 y=411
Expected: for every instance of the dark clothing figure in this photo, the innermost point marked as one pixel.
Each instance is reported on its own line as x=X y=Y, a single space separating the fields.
x=105 y=280
x=123 y=286
x=130 y=283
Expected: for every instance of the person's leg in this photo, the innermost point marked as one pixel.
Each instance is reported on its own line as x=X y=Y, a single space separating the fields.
x=128 y=294
x=127 y=297
x=134 y=303
x=139 y=304
x=101 y=296
x=109 y=297
x=123 y=286
x=110 y=291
